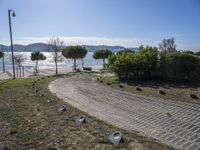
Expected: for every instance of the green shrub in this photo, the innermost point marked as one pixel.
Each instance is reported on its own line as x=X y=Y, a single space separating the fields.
x=140 y=65
x=180 y=66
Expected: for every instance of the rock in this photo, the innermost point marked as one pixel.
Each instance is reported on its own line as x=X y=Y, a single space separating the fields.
x=121 y=86
x=162 y=92
x=193 y=96
x=169 y=115
x=108 y=83
x=138 y=89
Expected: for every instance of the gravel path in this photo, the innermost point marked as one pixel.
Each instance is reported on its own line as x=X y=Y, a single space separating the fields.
x=173 y=123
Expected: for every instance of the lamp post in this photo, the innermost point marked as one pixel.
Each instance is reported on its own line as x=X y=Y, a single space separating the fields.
x=11 y=40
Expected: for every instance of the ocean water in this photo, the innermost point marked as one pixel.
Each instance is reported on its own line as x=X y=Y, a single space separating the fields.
x=88 y=61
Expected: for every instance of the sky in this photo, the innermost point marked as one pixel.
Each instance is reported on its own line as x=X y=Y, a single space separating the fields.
x=128 y=23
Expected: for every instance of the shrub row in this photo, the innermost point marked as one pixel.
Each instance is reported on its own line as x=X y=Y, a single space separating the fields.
x=148 y=63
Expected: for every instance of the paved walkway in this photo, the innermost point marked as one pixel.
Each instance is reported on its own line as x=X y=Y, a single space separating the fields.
x=148 y=115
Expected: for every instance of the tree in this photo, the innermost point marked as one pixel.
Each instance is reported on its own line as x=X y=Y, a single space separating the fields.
x=1 y=54
x=36 y=56
x=18 y=59
x=55 y=45
x=125 y=51
x=74 y=52
x=102 y=54
x=197 y=53
x=167 y=45
x=189 y=52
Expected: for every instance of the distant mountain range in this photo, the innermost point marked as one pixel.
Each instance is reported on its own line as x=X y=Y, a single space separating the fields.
x=44 y=48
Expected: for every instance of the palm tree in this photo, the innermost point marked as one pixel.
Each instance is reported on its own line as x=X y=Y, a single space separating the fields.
x=36 y=56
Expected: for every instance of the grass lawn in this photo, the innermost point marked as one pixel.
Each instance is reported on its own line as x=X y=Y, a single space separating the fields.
x=162 y=89
x=27 y=121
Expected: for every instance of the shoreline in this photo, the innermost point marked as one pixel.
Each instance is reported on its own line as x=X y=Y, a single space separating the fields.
x=42 y=72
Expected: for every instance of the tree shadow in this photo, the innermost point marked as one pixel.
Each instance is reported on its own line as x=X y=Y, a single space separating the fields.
x=5 y=81
x=162 y=84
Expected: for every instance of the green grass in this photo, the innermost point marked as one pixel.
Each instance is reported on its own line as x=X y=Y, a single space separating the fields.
x=29 y=122
x=172 y=90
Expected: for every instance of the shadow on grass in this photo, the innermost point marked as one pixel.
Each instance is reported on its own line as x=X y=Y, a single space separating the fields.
x=162 y=84
x=5 y=81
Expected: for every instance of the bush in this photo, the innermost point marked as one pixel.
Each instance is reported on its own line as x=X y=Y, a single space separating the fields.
x=180 y=66
x=122 y=65
x=148 y=64
x=140 y=65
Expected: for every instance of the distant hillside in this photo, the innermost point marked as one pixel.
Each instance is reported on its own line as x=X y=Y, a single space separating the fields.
x=44 y=47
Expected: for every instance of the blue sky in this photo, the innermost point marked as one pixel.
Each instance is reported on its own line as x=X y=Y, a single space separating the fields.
x=110 y=22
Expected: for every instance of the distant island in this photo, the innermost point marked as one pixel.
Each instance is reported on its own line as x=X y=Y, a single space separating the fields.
x=44 y=47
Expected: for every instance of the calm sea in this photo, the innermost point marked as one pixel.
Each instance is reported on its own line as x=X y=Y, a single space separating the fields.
x=49 y=63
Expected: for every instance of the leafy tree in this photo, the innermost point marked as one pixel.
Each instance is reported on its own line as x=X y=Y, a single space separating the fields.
x=102 y=54
x=189 y=52
x=197 y=53
x=147 y=58
x=36 y=56
x=55 y=45
x=167 y=45
x=125 y=51
x=74 y=52
x=1 y=54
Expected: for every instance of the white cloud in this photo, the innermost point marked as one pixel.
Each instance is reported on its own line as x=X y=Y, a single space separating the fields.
x=75 y=40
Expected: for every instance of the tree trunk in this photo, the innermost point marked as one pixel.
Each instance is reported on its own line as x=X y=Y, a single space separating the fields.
x=56 y=68
x=104 y=64
x=20 y=71
x=82 y=62
x=56 y=62
x=36 y=67
x=74 y=63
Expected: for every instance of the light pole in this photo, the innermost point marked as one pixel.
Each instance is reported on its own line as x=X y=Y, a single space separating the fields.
x=11 y=40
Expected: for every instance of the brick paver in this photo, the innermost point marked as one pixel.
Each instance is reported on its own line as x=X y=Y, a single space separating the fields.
x=134 y=112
